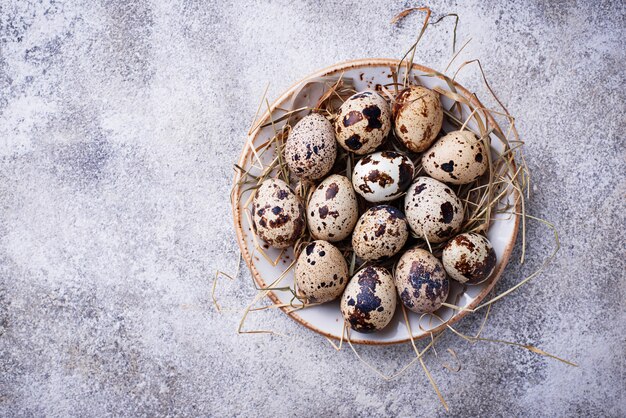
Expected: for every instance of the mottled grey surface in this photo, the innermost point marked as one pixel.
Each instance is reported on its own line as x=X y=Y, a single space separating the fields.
x=119 y=124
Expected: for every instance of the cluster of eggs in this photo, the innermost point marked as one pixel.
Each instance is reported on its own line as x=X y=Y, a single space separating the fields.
x=430 y=209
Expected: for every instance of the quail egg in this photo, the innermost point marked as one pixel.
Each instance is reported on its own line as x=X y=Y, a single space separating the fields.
x=418 y=116
x=363 y=122
x=333 y=209
x=310 y=149
x=380 y=233
x=382 y=176
x=369 y=301
x=278 y=215
x=421 y=281
x=433 y=210
x=469 y=258
x=458 y=158
x=321 y=272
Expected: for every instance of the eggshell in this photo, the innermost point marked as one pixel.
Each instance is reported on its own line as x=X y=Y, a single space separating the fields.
x=380 y=233
x=418 y=116
x=278 y=215
x=363 y=122
x=469 y=258
x=321 y=272
x=310 y=149
x=433 y=210
x=457 y=158
x=369 y=301
x=421 y=281
x=333 y=209
x=382 y=176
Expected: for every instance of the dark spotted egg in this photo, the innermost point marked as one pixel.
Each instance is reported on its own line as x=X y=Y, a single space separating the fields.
x=433 y=210
x=457 y=158
x=418 y=116
x=380 y=233
x=469 y=258
x=421 y=281
x=382 y=176
x=333 y=209
x=363 y=122
x=369 y=301
x=310 y=149
x=321 y=272
x=278 y=215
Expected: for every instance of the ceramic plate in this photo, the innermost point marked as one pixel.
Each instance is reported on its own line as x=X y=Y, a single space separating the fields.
x=326 y=319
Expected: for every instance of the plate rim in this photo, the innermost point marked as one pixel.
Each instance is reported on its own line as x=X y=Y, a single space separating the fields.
x=343 y=66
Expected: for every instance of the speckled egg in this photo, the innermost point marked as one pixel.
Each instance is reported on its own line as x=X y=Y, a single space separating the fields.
x=310 y=149
x=418 y=116
x=469 y=258
x=380 y=233
x=433 y=210
x=457 y=158
x=363 y=122
x=333 y=209
x=369 y=301
x=421 y=281
x=321 y=272
x=382 y=176
x=278 y=215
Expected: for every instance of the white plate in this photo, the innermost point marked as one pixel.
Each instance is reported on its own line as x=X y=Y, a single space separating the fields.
x=326 y=319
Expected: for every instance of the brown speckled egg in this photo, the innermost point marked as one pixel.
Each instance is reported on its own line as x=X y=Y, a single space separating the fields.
x=457 y=158
x=369 y=301
x=421 y=281
x=278 y=215
x=363 y=122
x=418 y=116
x=333 y=209
x=433 y=210
x=469 y=258
x=321 y=272
x=382 y=176
x=380 y=233
x=310 y=149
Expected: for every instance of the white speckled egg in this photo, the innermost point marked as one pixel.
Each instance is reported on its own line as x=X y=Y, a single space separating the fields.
x=432 y=209
x=363 y=122
x=277 y=214
x=310 y=149
x=457 y=158
x=333 y=209
x=380 y=233
x=369 y=301
x=321 y=272
x=382 y=176
x=421 y=281
x=418 y=116
x=469 y=258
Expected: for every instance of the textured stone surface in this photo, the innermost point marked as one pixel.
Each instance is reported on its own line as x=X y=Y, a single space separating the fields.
x=119 y=124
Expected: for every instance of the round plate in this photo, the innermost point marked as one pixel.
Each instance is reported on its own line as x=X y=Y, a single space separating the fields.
x=268 y=265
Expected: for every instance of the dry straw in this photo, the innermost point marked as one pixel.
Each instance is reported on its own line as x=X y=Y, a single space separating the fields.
x=482 y=200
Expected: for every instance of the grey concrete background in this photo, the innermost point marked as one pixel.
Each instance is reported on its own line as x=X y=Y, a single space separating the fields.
x=119 y=125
